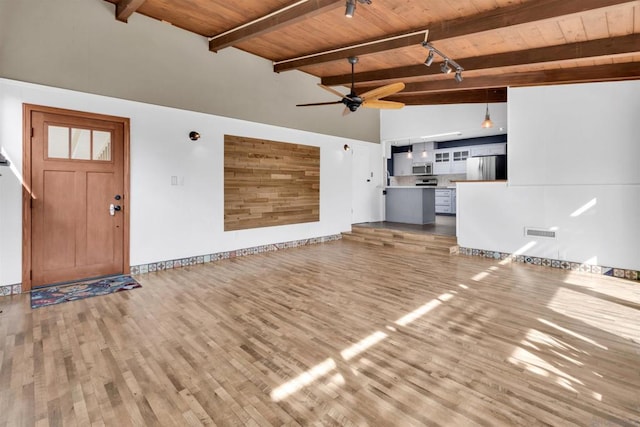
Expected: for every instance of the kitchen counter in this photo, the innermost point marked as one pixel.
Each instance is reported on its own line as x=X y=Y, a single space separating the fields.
x=411 y=204
x=480 y=180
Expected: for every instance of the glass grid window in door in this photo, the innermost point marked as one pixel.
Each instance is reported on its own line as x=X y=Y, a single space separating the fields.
x=78 y=144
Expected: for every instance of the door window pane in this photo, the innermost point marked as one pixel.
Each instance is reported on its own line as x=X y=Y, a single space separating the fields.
x=101 y=145
x=81 y=144
x=58 y=142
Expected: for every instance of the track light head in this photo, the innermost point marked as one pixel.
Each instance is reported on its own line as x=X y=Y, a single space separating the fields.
x=429 y=59
x=445 y=68
x=194 y=136
x=458 y=75
x=350 y=9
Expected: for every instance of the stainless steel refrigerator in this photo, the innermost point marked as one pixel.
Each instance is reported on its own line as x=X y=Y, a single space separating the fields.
x=487 y=168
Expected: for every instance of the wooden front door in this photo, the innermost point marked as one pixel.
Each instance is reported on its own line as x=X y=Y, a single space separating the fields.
x=78 y=198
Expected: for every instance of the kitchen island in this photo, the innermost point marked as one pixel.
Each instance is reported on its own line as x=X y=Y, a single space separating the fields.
x=411 y=204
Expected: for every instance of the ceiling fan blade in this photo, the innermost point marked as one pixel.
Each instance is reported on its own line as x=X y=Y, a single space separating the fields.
x=384 y=105
x=333 y=91
x=382 y=91
x=319 y=103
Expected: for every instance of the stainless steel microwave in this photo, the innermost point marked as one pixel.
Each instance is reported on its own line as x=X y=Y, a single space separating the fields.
x=422 y=169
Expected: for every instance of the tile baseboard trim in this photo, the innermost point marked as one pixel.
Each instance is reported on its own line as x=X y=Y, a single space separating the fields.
x=554 y=263
x=203 y=259
x=9 y=290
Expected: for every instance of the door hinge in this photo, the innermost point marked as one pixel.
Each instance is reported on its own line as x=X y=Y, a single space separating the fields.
x=30 y=274
x=31 y=202
x=32 y=131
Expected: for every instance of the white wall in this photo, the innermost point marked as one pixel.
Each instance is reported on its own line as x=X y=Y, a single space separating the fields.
x=169 y=222
x=575 y=134
x=416 y=121
x=573 y=155
x=79 y=45
x=492 y=216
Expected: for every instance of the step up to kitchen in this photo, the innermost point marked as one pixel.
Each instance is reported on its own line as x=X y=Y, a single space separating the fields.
x=403 y=239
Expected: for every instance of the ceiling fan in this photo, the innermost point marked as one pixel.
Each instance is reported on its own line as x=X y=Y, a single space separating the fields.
x=370 y=99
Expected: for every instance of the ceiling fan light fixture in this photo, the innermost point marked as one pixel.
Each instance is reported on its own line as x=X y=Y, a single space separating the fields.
x=487 y=123
x=350 y=9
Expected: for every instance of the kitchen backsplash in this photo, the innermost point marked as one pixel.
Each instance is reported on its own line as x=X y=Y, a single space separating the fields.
x=403 y=180
x=445 y=180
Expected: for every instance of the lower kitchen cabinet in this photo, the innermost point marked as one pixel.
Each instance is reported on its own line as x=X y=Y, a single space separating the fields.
x=445 y=201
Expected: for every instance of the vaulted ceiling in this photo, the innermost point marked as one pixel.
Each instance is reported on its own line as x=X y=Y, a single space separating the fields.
x=498 y=43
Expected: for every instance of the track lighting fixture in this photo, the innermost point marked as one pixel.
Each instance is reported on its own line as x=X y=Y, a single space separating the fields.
x=458 y=75
x=487 y=123
x=194 y=136
x=447 y=66
x=429 y=59
x=346 y=147
x=351 y=7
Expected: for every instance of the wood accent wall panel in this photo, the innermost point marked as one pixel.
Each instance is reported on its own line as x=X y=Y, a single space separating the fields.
x=269 y=183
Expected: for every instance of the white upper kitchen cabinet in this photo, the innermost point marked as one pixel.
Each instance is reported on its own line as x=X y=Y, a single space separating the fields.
x=442 y=161
x=459 y=160
x=402 y=164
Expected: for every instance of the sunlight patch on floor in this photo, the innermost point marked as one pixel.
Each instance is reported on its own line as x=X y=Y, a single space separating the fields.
x=610 y=306
x=478 y=277
x=422 y=310
x=302 y=380
x=337 y=380
x=573 y=334
x=537 y=365
x=363 y=345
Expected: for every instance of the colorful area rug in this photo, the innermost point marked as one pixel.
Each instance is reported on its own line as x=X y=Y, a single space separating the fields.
x=81 y=290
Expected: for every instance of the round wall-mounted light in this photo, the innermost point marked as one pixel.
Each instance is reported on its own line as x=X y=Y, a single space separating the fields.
x=194 y=136
x=346 y=147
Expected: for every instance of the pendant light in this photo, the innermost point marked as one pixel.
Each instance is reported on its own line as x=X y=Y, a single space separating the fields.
x=410 y=153
x=487 y=123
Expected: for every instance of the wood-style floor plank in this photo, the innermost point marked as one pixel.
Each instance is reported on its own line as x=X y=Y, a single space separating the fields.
x=337 y=334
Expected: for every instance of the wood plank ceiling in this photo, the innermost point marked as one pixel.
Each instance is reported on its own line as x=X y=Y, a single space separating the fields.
x=498 y=43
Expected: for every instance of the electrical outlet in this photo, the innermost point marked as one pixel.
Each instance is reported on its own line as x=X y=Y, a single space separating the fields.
x=174 y=180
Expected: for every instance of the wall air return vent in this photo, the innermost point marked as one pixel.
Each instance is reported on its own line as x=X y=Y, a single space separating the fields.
x=539 y=232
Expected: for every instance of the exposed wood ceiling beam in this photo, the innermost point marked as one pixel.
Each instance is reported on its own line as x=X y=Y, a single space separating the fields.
x=530 y=11
x=589 y=49
x=126 y=8
x=476 y=96
x=289 y=15
x=597 y=73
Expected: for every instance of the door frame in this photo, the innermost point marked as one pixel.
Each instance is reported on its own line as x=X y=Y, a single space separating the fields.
x=27 y=110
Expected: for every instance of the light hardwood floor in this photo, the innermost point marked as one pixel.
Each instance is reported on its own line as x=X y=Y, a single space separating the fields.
x=334 y=334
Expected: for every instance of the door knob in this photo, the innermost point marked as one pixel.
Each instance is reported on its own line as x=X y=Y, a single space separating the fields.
x=113 y=209
x=118 y=197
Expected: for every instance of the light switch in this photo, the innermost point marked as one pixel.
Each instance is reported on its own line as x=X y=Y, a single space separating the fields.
x=174 y=180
